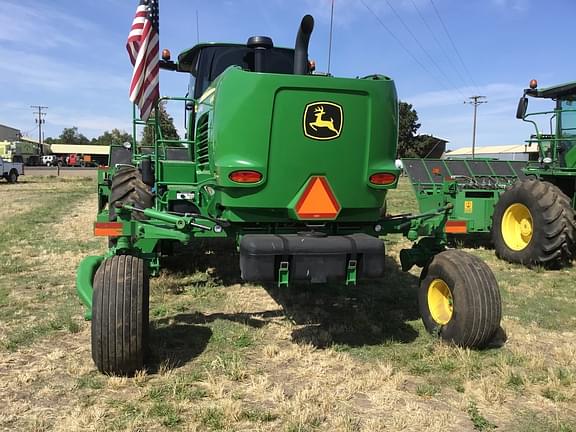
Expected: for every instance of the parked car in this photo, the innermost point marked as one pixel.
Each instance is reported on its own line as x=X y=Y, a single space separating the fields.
x=49 y=160
x=11 y=170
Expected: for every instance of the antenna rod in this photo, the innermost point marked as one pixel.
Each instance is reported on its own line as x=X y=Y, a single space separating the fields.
x=330 y=42
x=197 y=28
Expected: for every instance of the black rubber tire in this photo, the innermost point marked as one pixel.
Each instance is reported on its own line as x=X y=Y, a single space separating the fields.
x=476 y=302
x=120 y=313
x=12 y=176
x=554 y=225
x=128 y=188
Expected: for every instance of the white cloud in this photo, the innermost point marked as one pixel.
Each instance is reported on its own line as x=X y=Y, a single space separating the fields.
x=514 y=5
x=89 y=123
x=39 y=26
x=46 y=73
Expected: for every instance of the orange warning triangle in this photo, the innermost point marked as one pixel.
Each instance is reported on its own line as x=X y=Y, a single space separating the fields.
x=317 y=201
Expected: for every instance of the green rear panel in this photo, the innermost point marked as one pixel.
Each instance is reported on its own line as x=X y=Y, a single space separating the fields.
x=269 y=137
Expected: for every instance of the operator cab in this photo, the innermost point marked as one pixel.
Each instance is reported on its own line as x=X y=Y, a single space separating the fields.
x=205 y=62
x=560 y=144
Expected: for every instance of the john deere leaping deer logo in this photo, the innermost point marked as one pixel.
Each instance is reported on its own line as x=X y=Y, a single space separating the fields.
x=323 y=120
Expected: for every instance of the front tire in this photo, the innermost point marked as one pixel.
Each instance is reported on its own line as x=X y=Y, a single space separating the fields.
x=120 y=311
x=459 y=299
x=128 y=188
x=534 y=224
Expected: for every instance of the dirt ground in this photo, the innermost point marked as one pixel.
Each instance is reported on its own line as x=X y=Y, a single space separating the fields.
x=229 y=356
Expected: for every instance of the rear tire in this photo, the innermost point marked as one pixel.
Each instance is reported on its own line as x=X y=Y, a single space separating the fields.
x=12 y=176
x=128 y=188
x=120 y=314
x=459 y=299
x=534 y=224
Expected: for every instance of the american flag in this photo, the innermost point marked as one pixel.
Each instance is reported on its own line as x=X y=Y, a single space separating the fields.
x=143 y=46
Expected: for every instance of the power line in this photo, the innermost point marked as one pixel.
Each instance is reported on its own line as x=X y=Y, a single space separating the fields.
x=399 y=41
x=411 y=33
x=453 y=44
x=440 y=45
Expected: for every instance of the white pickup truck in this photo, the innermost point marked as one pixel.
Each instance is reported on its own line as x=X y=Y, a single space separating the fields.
x=11 y=170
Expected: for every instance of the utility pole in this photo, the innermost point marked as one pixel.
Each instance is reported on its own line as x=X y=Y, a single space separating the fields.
x=475 y=100
x=40 y=121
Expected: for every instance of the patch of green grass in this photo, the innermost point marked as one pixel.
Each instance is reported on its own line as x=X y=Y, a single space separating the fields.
x=213 y=418
x=63 y=319
x=258 y=415
x=4 y=294
x=128 y=413
x=554 y=395
x=549 y=304
x=427 y=390
x=231 y=365
x=92 y=381
x=515 y=382
x=169 y=415
x=309 y=426
x=228 y=334
x=539 y=422
x=480 y=422
x=182 y=388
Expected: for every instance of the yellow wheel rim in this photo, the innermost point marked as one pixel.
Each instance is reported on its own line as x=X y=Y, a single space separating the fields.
x=440 y=302
x=517 y=227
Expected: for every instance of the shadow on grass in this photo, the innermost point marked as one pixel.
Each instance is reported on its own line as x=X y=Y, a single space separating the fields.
x=218 y=257
x=175 y=344
x=372 y=313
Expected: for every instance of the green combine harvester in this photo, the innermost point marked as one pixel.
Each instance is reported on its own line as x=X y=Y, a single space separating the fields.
x=525 y=209
x=293 y=166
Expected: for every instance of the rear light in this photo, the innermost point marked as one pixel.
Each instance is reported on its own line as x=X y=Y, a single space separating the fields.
x=108 y=229
x=245 y=176
x=382 y=179
x=455 y=227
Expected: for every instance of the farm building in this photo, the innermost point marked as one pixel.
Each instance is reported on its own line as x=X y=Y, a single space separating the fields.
x=97 y=154
x=521 y=152
x=8 y=133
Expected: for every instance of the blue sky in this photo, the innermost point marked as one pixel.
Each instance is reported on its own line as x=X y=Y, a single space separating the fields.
x=70 y=55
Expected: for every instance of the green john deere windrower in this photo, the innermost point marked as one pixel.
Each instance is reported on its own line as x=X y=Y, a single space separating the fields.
x=525 y=209
x=295 y=167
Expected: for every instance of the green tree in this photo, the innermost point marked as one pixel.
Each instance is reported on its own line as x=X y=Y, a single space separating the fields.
x=115 y=136
x=72 y=136
x=166 y=125
x=408 y=144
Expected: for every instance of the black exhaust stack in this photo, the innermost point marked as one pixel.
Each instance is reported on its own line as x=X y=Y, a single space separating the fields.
x=301 y=48
x=259 y=44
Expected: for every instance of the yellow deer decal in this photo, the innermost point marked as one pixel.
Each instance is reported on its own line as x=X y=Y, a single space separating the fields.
x=319 y=123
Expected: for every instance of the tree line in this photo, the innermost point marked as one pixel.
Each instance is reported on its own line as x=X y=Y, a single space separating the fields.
x=410 y=144
x=71 y=135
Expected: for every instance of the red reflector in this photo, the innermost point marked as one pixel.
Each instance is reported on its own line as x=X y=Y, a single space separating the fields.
x=436 y=171
x=103 y=168
x=108 y=229
x=245 y=176
x=382 y=178
x=317 y=201
x=455 y=227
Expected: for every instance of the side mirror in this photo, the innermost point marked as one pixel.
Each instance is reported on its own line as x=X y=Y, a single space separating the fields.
x=522 y=107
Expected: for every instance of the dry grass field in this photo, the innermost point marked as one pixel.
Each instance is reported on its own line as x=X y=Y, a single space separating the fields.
x=228 y=356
